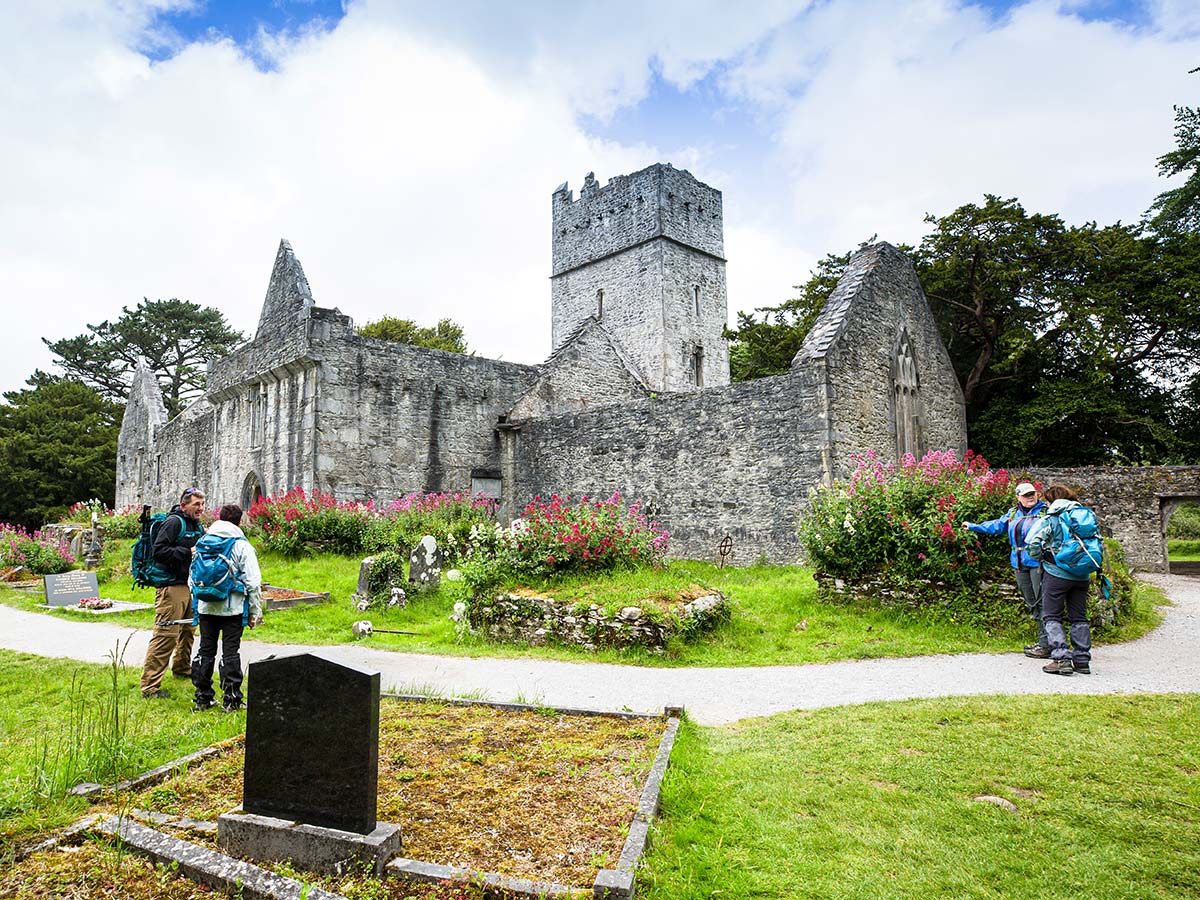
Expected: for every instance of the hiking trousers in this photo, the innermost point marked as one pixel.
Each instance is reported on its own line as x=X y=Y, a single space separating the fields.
x=1060 y=597
x=229 y=630
x=1029 y=582
x=171 y=602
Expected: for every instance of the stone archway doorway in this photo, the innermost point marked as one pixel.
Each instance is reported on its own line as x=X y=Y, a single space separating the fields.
x=251 y=490
x=1170 y=505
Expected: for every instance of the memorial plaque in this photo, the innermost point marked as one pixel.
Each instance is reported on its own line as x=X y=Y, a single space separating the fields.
x=312 y=742
x=69 y=588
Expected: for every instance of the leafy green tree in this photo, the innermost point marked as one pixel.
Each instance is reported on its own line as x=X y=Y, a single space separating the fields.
x=58 y=444
x=176 y=337
x=445 y=335
x=1178 y=209
x=761 y=348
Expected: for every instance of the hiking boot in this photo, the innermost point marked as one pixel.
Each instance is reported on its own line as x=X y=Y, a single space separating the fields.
x=160 y=694
x=231 y=706
x=1059 y=667
x=1082 y=668
x=1037 y=651
x=202 y=705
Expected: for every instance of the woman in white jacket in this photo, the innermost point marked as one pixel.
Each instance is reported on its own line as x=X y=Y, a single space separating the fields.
x=223 y=612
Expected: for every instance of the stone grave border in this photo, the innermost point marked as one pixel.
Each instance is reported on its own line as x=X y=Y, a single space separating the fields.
x=289 y=602
x=217 y=870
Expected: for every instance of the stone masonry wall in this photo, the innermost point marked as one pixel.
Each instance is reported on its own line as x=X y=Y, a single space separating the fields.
x=685 y=330
x=587 y=371
x=394 y=418
x=1135 y=502
x=736 y=460
x=144 y=415
x=856 y=337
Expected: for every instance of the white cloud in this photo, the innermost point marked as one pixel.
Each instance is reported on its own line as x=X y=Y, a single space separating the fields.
x=409 y=152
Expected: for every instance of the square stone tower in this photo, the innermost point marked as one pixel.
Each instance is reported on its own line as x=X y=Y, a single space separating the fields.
x=645 y=256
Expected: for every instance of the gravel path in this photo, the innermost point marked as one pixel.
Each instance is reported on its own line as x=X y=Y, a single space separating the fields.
x=1165 y=660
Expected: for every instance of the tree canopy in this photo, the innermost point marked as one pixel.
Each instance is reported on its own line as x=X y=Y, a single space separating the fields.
x=445 y=335
x=1178 y=209
x=176 y=337
x=58 y=444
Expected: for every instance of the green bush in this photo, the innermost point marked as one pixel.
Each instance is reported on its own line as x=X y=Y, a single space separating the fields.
x=1185 y=523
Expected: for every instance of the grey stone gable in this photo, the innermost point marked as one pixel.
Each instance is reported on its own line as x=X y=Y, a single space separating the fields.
x=590 y=369
x=834 y=314
x=289 y=297
x=146 y=393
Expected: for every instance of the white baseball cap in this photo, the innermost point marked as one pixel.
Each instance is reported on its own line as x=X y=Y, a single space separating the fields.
x=1025 y=488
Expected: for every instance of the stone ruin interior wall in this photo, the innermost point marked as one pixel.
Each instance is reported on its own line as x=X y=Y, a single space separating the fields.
x=588 y=371
x=395 y=419
x=182 y=458
x=880 y=299
x=736 y=460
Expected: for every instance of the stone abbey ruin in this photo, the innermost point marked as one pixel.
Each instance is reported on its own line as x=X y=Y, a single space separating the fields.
x=634 y=396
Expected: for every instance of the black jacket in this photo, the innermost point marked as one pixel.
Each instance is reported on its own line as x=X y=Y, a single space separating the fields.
x=174 y=541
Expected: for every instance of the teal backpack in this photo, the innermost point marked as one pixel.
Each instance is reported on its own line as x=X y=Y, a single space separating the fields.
x=1082 y=550
x=146 y=572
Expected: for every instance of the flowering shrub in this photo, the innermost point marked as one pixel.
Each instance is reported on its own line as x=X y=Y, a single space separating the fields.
x=39 y=555
x=296 y=522
x=561 y=536
x=118 y=523
x=905 y=518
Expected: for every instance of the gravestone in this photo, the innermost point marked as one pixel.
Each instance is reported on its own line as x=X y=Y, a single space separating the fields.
x=425 y=564
x=312 y=742
x=69 y=588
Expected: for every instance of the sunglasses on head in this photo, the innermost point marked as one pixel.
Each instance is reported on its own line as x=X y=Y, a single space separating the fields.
x=190 y=491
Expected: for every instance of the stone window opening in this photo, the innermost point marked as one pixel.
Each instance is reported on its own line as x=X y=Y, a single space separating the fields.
x=906 y=397
x=258 y=414
x=600 y=304
x=696 y=367
x=696 y=297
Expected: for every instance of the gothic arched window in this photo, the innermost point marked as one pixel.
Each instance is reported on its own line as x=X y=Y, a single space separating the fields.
x=906 y=399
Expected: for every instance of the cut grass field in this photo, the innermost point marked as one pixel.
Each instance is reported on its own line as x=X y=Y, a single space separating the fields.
x=877 y=801
x=1183 y=551
x=776 y=619
x=849 y=802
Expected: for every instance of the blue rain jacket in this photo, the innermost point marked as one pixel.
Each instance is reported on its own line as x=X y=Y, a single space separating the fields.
x=1017 y=521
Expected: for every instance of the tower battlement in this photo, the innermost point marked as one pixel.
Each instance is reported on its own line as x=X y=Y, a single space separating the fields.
x=658 y=201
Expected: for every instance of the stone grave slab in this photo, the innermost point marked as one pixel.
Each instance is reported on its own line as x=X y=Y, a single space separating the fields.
x=68 y=588
x=425 y=564
x=312 y=742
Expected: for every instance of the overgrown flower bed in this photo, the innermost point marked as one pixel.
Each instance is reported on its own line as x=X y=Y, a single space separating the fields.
x=36 y=554
x=891 y=535
x=297 y=522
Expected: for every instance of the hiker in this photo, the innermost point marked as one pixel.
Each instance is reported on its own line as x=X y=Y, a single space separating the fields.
x=172 y=552
x=227 y=591
x=1017 y=522
x=1067 y=541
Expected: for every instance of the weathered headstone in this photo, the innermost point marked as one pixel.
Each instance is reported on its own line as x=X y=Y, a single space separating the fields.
x=312 y=742
x=69 y=588
x=425 y=564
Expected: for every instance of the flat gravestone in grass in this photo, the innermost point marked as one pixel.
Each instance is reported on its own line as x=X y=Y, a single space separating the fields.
x=541 y=796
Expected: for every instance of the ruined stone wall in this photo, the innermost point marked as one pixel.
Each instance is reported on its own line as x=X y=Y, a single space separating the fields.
x=856 y=339
x=736 y=460
x=394 y=419
x=182 y=458
x=1134 y=502
x=688 y=277
x=144 y=415
x=588 y=371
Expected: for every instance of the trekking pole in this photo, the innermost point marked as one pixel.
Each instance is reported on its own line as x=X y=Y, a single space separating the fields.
x=364 y=628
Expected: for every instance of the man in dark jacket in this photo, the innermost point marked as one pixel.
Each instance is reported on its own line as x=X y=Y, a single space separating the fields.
x=173 y=551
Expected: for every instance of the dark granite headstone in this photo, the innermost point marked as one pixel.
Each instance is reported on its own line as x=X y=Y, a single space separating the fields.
x=312 y=742
x=69 y=588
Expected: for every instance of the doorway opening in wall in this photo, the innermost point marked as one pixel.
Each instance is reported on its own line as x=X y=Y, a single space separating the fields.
x=1181 y=532
x=251 y=490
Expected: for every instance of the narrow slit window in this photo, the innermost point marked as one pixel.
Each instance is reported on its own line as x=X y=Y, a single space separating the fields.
x=600 y=304
x=698 y=367
x=696 y=298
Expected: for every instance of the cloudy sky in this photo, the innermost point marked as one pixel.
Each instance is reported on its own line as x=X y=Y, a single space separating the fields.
x=408 y=150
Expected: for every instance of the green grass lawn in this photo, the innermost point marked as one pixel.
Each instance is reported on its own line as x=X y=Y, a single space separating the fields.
x=877 y=801
x=1183 y=551
x=851 y=802
x=776 y=620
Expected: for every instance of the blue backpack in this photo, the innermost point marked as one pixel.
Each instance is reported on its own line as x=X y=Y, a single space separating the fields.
x=214 y=575
x=146 y=572
x=1082 y=550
